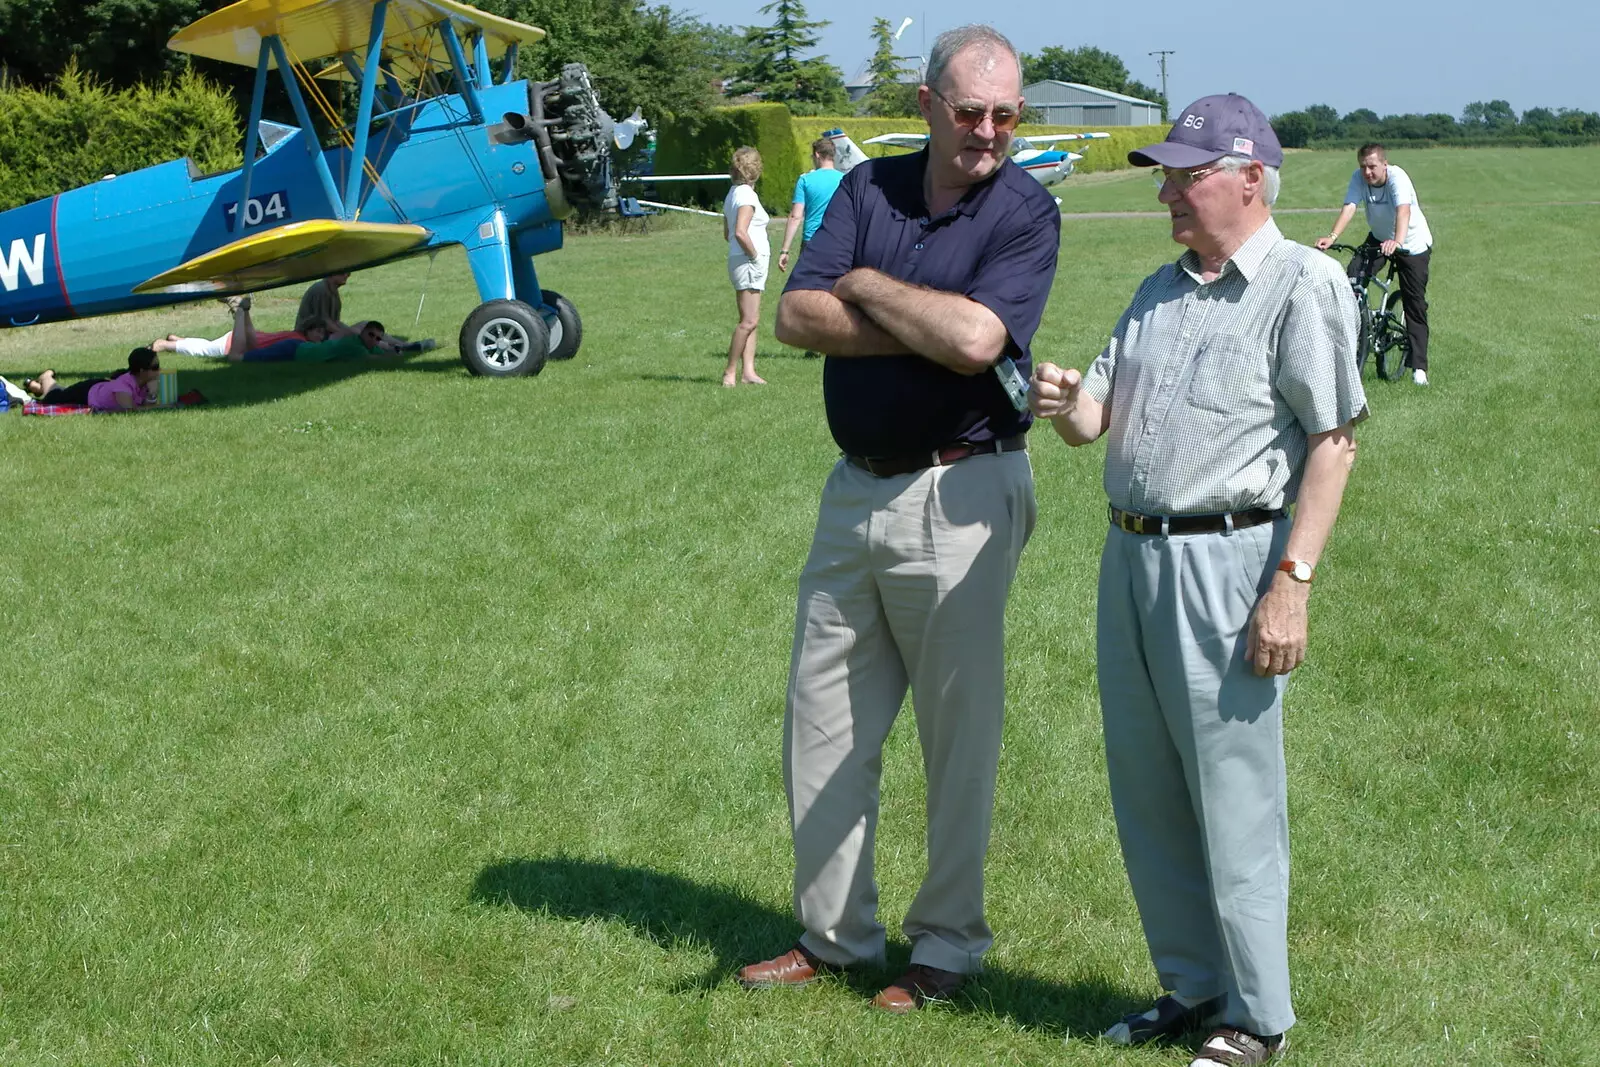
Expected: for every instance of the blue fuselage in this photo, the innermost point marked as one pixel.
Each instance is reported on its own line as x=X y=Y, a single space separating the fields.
x=81 y=253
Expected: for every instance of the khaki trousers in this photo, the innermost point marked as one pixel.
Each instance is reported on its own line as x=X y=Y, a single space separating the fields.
x=905 y=585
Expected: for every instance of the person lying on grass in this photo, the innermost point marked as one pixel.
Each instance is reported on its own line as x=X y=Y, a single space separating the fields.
x=219 y=347
x=126 y=392
x=244 y=347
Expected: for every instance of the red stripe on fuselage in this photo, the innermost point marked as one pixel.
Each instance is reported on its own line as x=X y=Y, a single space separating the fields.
x=55 y=250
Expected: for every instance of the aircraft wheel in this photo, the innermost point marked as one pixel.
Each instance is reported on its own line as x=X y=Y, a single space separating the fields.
x=566 y=329
x=503 y=339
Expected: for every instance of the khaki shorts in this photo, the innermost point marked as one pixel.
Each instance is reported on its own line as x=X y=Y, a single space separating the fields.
x=748 y=274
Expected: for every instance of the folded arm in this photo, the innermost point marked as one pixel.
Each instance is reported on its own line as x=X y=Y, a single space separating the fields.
x=948 y=328
x=818 y=320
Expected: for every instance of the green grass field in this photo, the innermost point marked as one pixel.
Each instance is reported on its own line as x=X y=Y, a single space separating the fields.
x=394 y=716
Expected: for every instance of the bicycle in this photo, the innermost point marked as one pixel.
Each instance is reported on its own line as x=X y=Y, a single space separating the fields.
x=1383 y=322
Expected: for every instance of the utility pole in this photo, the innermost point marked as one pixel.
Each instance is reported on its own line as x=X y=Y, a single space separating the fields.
x=1161 y=57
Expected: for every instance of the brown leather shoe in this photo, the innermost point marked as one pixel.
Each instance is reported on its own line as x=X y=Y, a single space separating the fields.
x=797 y=967
x=917 y=986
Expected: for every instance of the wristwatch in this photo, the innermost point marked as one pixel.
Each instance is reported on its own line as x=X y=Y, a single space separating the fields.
x=1298 y=569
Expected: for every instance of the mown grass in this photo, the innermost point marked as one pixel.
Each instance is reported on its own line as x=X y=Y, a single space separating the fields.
x=1444 y=177
x=395 y=716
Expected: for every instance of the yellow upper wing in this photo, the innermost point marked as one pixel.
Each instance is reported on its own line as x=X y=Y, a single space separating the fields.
x=317 y=29
x=284 y=254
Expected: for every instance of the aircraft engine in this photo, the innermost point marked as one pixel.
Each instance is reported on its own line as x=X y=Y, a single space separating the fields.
x=574 y=135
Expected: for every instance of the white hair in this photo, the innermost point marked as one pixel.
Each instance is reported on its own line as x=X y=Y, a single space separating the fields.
x=1234 y=164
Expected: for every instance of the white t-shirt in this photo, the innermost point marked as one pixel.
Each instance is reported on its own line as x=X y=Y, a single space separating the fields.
x=1381 y=202
x=744 y=196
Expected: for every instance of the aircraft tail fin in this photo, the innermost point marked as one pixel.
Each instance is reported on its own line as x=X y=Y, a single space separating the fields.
x=846 y=153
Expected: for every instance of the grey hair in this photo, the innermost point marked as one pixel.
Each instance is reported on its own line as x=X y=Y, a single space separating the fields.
x=1234 y=164
x=952 y=43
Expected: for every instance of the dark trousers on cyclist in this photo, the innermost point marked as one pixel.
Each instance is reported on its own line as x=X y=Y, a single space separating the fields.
x=1411 y=271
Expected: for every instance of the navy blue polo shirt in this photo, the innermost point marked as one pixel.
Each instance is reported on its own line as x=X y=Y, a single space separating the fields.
x=997 y=246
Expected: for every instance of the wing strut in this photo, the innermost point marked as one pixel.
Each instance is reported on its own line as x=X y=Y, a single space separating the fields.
x=292 y=86
x=458 y=58
x=363 y=130
x=252 y=132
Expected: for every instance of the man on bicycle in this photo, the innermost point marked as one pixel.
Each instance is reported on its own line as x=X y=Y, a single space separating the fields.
x=1398 y=231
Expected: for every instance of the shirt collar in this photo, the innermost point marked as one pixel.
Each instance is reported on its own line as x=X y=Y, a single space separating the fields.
x=970 y=201
x=1246 y=259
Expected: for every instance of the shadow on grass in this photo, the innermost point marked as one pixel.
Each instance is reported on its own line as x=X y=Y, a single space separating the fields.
x=227 y=384
x=683 y=379
x=669 y=909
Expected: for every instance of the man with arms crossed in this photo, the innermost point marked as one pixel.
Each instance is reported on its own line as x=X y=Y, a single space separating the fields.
x=933 y=267
x=1228 y=391
x=1397 y=230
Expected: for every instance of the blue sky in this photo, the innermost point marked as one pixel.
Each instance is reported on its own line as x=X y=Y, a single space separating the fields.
x=1421 y=55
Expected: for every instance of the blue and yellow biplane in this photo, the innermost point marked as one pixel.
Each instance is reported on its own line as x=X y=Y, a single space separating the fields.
x=445 y=149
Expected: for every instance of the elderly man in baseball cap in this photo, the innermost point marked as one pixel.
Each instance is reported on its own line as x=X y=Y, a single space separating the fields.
x=1227 y=395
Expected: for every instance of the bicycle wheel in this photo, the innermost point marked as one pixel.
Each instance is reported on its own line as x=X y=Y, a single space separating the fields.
x=1392 y=342
x=1363 y=340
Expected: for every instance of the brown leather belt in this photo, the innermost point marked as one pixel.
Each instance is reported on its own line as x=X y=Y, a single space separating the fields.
x=892 y=466
x=1135 y=523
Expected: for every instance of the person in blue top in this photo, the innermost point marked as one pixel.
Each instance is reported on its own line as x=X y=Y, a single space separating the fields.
x=812 y=191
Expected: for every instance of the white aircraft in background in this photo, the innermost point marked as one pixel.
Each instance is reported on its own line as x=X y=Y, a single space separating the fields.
x=1048 y=166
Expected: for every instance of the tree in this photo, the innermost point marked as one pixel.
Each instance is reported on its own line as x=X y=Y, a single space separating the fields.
x=890 y=96
x=1324 y=122
x=651 y=58
x=1495 y=116
x=121 y=42
x=1087 y=65
x=808 y=86
x=1294 y=128
x=727 y=48
x=1361 y=117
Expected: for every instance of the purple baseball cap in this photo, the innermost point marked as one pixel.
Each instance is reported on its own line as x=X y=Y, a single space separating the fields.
x=1210 y=128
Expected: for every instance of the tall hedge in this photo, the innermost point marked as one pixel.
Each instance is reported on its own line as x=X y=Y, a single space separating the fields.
x=1097 y=156
x=684 y=149
x=78 y=131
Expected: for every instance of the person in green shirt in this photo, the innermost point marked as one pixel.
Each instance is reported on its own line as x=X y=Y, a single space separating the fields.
x=367 y=341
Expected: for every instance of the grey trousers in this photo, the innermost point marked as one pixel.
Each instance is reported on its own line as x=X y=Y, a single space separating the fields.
x=1194 y=747
x=906 y=584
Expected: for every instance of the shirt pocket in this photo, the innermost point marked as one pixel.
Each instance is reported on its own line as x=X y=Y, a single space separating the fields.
x=1229 y=375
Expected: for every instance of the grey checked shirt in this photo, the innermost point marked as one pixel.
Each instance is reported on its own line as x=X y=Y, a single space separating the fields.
x=1214 y=385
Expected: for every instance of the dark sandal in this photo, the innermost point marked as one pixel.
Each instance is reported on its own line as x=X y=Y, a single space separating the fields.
x=1172 y=1020
x=1231 y=1047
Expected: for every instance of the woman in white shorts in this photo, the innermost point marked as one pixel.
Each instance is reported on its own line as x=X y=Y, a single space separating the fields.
x=744 y=226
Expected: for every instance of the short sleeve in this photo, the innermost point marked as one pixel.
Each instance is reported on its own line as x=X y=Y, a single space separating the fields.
x=1356 y=191
x=1317 y=374
x=1098 y=378
x=800 y=189
x=1013 y=279
x=1404 y=191
x=745 y=196
x=831 y=252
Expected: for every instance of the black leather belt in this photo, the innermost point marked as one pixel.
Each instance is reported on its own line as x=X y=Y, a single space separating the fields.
x=1135 y=523
x=892 y=466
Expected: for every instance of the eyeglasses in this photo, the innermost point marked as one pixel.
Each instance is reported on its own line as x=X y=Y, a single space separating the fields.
x=1183 y=180
x=1004 y=116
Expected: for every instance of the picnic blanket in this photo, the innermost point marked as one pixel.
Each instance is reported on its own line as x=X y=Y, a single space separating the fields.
x=33 y=407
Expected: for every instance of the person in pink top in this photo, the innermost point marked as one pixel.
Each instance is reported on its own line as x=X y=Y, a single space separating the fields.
x=129 y=391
